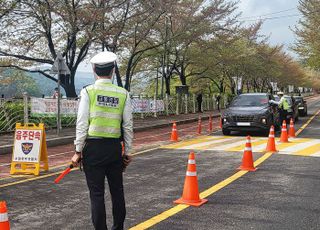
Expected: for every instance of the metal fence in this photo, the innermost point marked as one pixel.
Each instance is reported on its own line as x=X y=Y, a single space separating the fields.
x=14 y=111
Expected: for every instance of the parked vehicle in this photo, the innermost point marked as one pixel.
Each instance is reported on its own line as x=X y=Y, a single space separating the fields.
x=250 y=112
x=302 y=105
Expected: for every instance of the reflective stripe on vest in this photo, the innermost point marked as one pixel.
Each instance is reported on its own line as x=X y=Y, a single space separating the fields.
x=106 y=108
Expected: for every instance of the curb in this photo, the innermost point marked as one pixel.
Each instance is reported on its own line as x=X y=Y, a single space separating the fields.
x=56 y=141
x=186 y=121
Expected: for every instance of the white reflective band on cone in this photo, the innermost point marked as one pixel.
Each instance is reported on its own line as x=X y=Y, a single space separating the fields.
x=247 y=149
x=191 y=162
x=271 y=136
x=191 y=173
x=283 y=129
x=3 y=217
x=248 y=141
x=174 y=130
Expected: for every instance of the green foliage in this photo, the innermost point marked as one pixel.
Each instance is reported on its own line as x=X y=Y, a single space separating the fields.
x=14 y=83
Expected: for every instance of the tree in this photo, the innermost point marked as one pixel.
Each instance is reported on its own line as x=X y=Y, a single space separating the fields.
x=184 y=26
x=15 y=83
x=33 y=32
x=308 y=33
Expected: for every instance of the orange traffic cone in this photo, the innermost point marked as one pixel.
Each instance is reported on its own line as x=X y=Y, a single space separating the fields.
x=220 y=125
x=247 y=159
x=271 y=145
x=190 y=193
x=4 y=221
x=292 y=132
x=210 y=124
x=199 y=126
x=284 y=132
x=174 y=133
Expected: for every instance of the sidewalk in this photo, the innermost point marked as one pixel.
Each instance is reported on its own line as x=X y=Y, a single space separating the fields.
x=67 y=135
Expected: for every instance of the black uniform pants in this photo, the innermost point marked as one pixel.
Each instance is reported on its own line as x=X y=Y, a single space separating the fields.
x=102 y=158
x=283 y=115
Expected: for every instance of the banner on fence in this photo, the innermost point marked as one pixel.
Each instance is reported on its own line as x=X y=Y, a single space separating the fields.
x=29 y=150
x=147 y=105
x=44 y=106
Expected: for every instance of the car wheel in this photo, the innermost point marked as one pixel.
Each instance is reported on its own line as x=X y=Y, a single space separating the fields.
x=226 y=132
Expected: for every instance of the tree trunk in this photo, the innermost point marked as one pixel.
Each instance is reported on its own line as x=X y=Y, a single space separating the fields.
x=117 y=72
x=128 y=71
x=167 y=81
x=69 y=86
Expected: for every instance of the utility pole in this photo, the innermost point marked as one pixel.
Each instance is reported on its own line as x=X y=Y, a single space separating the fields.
x=59 y=67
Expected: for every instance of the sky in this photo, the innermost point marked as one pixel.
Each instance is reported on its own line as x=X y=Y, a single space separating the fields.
x=284 y=16
x=281 y=15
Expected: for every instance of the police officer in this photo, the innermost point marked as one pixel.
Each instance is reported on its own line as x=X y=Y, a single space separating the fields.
x=104 y=110
x=283 y=106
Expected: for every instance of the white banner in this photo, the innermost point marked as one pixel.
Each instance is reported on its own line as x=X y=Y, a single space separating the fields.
x=290 y=88
x=274 y=86
x=146 y=105
x=44 y=106
x=27 y=145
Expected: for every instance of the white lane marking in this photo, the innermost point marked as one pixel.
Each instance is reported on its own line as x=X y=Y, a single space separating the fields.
x=300 y=146
x=235 y=144
x=317 y=154
x=194 y=146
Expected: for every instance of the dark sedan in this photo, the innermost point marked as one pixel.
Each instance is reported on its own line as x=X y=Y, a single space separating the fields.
x=250 y=112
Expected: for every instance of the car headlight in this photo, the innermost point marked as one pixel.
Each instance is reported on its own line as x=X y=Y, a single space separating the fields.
x=224 y=120
x=264 y=120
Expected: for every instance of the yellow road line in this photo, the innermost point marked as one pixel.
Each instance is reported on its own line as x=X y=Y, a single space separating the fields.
x=308 y=151
x=227 y=141
x=55 y=173
x=32 y=179
x=203 y=144
x=26 y=175
x=241 y=147
x=178 y=208
x=188 y=142
x=168 y=213
x=307 y=123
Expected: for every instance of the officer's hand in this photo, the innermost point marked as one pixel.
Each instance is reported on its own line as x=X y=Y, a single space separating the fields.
x=126 y=161
x=76 y=159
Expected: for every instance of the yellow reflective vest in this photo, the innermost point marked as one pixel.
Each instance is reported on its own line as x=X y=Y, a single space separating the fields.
x=283 y=104
x=107 y=103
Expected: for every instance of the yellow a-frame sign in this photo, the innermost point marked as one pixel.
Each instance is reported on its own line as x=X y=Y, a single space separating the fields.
x=29 y=149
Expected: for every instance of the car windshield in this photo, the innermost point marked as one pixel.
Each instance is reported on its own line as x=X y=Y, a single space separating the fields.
x=250 y=100
x=298 y=99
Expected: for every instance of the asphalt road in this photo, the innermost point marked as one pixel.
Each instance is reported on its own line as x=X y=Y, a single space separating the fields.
x=282 y=194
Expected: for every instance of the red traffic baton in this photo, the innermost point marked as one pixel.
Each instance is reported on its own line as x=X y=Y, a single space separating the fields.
x=63 y=174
